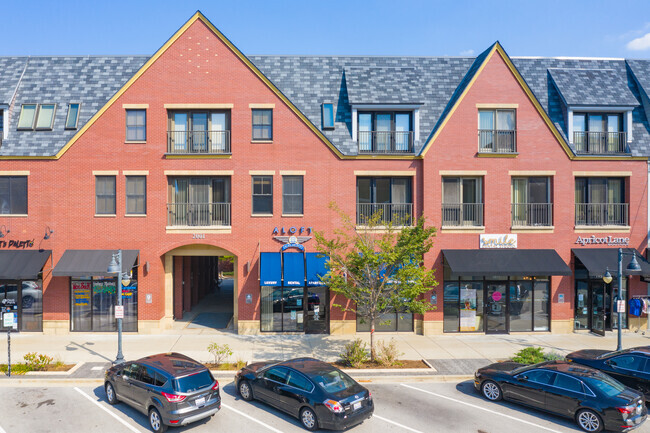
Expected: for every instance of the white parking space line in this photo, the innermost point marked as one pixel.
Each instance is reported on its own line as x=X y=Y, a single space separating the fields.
x=2 y=430
x=394 y=423
x=273 y=429
x=129 y=426
x=482 y=408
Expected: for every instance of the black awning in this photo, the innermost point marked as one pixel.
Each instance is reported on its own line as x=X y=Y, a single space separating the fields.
x=598 y=260
x=86 y=263
x=22 y=265
x=506 y=262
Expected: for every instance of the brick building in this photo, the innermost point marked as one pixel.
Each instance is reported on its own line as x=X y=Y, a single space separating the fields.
x=534 y=170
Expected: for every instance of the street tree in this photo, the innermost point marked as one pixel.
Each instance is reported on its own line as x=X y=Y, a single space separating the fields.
x=378 y=267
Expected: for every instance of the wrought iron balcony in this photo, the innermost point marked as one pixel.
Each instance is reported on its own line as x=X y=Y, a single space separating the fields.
x=385 y=142
x=602 y=214
x=399 y=214
x=600 y=142
x=462 y=214
x=198 y=214
x=532 y=214
x=497 y=141
x=198 y=142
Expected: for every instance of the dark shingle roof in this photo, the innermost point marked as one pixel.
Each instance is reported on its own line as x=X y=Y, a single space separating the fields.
x=383 y=85
x=600 y=87
x=89 y=80
x=10 y=70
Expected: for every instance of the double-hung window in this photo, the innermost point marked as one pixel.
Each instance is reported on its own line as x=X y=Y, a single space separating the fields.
x=497 y=131
x=462 y=203
x=262 y=195
x=292 y=195
x=136 y=195
x=105 y=195
x=13 y=195
x=384 y=200
x=600 y=201
x=263 y=124
x=531 y=202
x=136 y=125
x=598 y=133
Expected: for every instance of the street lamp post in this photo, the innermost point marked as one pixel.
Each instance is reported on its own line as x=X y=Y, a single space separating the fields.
x=115 y=267
x=607 y=278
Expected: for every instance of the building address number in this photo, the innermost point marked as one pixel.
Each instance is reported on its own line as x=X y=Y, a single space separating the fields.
x=198 y=235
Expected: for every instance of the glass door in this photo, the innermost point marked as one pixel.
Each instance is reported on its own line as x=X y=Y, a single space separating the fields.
x=9 y=306
x=598 y=303
x=496 y=304
x=317 y=310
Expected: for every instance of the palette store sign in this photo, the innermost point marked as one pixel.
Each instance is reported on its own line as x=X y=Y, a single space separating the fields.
x=17 y=244
x=498 y=241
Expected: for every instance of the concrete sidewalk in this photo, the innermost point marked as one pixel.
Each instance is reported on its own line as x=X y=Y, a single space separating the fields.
x=443 y=351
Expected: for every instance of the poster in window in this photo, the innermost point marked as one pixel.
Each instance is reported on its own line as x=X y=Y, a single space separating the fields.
x=468 y=319
x=81 y=293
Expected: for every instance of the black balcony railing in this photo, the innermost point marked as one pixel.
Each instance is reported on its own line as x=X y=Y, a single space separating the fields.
x=385 y=142
x=198 y=142
x=600 y=142
x=532 y=214
x=400 y=214
x=198 y=214
x=497 y=141
x=462 y=214
x=602 y=214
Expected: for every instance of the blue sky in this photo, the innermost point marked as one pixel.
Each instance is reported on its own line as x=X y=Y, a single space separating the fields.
x=577 y=28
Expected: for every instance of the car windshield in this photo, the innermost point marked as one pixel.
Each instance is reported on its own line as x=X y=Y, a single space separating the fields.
x=193 y=381
x=605 y=384
x=334 y=381
x=608 y=354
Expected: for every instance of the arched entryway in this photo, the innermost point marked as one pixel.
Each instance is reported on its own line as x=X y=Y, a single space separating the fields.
x=199 y=290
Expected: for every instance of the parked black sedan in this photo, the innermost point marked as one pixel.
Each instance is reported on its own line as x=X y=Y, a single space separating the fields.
x=319 y=395
x=629 y=366
x=593 y=399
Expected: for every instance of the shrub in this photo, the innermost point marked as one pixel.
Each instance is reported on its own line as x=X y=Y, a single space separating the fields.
x=529 y=355
x=387 y=354
x=239 y=364
x=37 y=361
x=553 y=356
x=221 y=352
x=355 y=353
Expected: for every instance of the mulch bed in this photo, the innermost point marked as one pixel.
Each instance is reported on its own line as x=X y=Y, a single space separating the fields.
x=225 y=367
x=373 y=365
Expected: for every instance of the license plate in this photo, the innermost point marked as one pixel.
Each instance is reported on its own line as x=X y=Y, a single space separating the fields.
x=356 y=405
x=200 y=401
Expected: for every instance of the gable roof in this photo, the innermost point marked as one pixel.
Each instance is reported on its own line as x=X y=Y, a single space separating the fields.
x=599 y=87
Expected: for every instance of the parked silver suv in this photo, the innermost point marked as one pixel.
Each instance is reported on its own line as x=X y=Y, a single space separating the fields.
x=172 y=389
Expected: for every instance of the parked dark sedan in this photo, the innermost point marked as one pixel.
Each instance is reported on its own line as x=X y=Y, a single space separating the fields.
x=319 y=395
x=593 y=399
x=170 y=388
x=629 y=366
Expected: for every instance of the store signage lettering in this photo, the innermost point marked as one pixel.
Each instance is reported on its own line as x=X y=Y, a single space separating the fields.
x=605 y=240
x=291 y=230
x=17 y=244
x=498 y=241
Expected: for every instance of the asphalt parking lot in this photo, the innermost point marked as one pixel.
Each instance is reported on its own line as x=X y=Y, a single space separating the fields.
x=423 y=407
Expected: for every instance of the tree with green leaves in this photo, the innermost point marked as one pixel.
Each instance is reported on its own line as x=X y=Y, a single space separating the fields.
x=378 y=267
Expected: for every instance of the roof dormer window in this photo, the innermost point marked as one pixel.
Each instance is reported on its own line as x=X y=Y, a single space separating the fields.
x=45 y=116
x=37 y=116
x=328 y=116
x=73 y=116
x=599 y=133
x=27 y=116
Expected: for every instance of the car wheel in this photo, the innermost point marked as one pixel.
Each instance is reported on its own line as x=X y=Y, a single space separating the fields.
x=491 y=390
x=308 y=419
x=155 y=421
x=28 y=301
x=110 y=393
x=245 y=390
x=589 y=421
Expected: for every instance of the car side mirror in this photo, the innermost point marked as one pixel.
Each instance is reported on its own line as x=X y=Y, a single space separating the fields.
x=608 y=362
x=522 y=378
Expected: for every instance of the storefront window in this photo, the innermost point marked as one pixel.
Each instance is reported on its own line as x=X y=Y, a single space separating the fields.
x=93 y=305
x=624 y=297
x=582 y=305
x=388 y=322
x=471 y=306
x=451 y=306
x=541 y=312
x=521 y=305
x=282 y=309
x=32 y=306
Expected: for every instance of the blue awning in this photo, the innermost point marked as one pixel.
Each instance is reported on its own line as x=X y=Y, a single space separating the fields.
x=294 y=269
x=270 y=269
x=316 y=268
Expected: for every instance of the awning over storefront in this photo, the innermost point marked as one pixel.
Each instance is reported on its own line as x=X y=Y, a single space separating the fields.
x=506 y=262
x=598 y=260
x=22 y=265
x=316 y=268
x=270 y=269
x=86 y=263
x=293 y=269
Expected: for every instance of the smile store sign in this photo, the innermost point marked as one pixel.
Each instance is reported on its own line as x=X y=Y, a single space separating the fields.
x=498 y=241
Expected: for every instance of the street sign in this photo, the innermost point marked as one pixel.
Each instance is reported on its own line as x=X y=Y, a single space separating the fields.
x=119 y=311
x=620 y=306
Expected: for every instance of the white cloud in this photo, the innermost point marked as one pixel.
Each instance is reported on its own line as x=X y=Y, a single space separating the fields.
x=639 y=44
x=467 y=53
